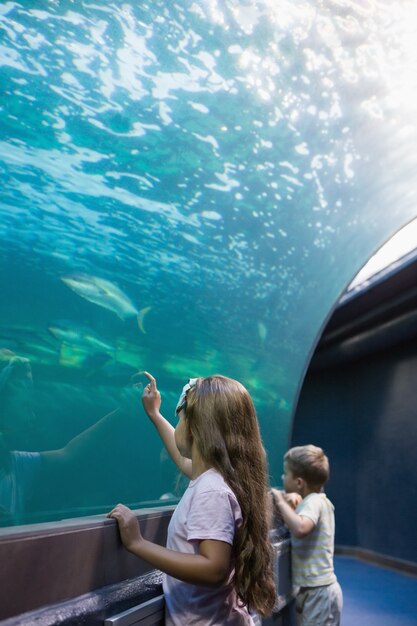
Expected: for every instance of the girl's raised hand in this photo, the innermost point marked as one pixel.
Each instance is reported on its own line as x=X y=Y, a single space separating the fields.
x=151 y=398
x=128 y=526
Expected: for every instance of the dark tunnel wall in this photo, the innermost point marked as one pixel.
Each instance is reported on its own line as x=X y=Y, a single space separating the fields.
x=364 y=416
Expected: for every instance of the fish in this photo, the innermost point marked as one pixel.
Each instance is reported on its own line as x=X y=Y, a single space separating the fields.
x=29 y=343
x=107 y=295
x=6 y=354
x=284 y=404
x=140 y=317
x=262 y=332
x=78 y=335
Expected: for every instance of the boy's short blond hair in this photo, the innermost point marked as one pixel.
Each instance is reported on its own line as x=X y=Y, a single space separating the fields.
x=309 y=463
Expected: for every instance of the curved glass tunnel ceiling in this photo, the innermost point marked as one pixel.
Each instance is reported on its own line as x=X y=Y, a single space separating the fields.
x=229 y=167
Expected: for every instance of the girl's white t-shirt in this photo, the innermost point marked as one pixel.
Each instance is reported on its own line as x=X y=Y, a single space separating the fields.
x=208 y=510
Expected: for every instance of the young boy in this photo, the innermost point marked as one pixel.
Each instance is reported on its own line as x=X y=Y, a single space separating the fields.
x=318 y=594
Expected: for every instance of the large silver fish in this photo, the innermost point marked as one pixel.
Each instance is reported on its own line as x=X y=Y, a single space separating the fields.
x=105 y=294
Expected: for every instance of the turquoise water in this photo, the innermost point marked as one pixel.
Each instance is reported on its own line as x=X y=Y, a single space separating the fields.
x=229 y=167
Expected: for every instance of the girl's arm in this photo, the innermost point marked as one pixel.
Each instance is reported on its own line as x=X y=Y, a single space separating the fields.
x=151 y=400
x=210 y=566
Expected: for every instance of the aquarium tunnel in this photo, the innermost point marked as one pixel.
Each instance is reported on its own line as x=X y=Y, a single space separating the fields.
x=191 y=188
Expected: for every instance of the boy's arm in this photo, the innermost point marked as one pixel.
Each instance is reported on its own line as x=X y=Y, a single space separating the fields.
x=151 y=400
x=299 y=525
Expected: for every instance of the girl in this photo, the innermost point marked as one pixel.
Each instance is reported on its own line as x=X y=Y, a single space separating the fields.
x=218 y=560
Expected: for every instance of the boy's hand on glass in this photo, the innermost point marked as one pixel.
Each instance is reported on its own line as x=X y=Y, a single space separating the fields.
x=129 y=528
x=293 y=499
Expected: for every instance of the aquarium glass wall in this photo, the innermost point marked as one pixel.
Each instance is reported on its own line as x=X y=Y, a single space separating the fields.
x=186 y=188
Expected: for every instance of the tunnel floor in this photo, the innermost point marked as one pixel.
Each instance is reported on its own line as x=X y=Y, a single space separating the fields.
x=376 y=596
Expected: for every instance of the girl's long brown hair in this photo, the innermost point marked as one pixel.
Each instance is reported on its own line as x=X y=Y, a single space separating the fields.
x=225 y=428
